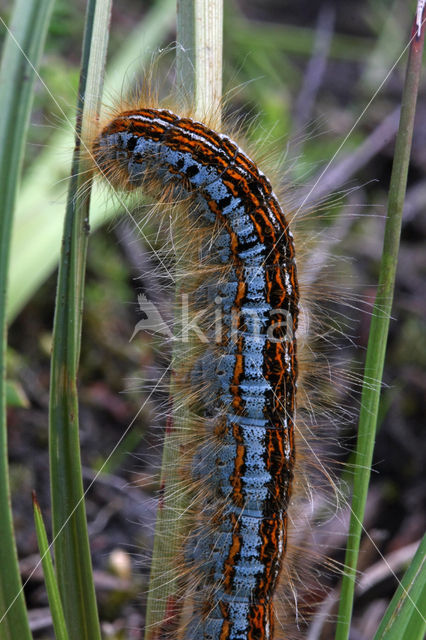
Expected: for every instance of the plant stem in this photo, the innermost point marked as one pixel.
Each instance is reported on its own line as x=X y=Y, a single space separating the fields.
x=21 y=57
x=199 y=70
x=70 y=536
x=379 y=330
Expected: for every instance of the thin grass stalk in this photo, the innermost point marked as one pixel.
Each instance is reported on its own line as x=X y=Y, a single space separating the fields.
x=54 y=598
x=23 y=47
x=199 y=72
x=208 y=58
x=376 y=348
x=71 y=542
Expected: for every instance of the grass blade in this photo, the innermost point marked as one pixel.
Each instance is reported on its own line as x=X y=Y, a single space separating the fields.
x=199 y=68
x=21 y=56
x=15 y=395
x=52 y=589
x=71 y=542
x=404 y=618
x=379 y=330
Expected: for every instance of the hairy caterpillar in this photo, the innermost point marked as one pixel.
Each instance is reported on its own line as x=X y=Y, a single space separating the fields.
x=251 y=373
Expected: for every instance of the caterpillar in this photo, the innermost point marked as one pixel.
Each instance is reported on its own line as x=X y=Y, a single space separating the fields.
x=249 y=373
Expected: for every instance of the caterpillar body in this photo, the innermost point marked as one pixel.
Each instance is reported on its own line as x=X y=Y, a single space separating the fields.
x=248 y=373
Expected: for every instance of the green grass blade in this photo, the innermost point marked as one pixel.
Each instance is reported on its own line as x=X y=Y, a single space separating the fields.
x=15 y=395
x=52 y=589
x=71 y=542
x=21 y=56
x=379 y=331
x=405 y=616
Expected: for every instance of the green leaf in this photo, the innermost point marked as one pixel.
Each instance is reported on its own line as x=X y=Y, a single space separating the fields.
x=53 y=596
x=404 y=617
x=21 y=57
x=379 y=332
x=15 y=395
x=71 y=540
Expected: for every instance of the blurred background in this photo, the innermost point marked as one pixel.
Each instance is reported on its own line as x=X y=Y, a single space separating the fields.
x=303 y=75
